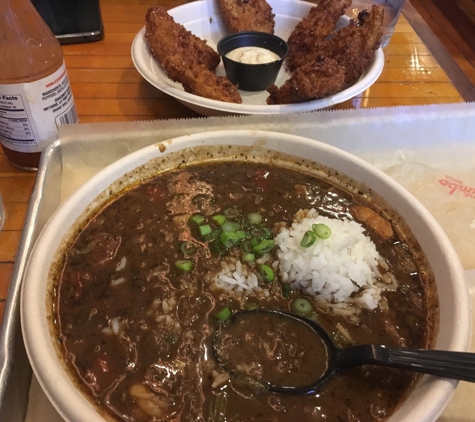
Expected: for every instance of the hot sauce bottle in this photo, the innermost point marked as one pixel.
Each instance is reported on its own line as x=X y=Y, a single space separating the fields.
x=35 y=95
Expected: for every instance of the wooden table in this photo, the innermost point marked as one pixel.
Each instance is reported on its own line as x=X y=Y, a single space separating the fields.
x=107 y=87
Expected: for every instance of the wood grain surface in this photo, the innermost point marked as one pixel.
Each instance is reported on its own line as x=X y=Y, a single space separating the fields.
x=107 y=88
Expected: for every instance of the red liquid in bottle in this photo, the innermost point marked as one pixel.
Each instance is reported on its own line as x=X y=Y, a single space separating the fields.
x=35 y=96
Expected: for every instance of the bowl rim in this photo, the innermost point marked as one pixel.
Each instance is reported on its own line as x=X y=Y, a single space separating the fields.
x=60 y=389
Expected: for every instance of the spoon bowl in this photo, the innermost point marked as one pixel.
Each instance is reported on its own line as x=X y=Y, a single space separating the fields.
x=326 y=358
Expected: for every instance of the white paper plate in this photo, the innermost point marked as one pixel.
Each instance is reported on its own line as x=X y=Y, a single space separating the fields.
x=203 y=19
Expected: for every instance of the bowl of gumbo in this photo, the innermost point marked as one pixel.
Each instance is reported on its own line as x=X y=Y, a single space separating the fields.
x=135 y=271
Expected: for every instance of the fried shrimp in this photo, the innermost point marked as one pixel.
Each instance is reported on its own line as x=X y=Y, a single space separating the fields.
x=313 y=29
x=315 y=79
x=187 y=59
x=167 y=38
x=198 y=80
x=247 y=15
x=353 y=46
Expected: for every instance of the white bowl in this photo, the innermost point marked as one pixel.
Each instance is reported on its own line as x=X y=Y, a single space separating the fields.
x=203 y=19
x=426 y=400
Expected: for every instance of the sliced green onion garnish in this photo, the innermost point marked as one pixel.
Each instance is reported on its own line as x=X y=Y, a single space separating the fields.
x=242 y=234
x=302 y=306
x=230 y=226
x=322 y=230
x=248 y=257
x=232 y=213
x=219 y=219
x=308 y=239
x=197 y=219
x=246 y=246
x=205 y=229
x=213 y=235
x=257 y=232
x=267 y=273
x=228 y=239
x=265 y=246
x=185 y=265
x=261 y=232
x=249 y=306
x=254 y=218
x=286 y=290
x=217 y=247
x=254 y=241
x=223 y=314
x=267 y=233
x=188 y=248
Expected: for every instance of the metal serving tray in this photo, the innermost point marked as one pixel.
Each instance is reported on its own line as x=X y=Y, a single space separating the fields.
x=15 y=370
x=82 y=150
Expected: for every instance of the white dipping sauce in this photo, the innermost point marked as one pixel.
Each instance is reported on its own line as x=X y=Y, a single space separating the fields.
x=252 y=55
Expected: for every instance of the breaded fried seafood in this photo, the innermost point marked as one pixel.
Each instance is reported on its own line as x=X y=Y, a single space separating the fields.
x=167 y=38
x=353 y=46
x=313 y=29
x=198 y=80
x=317 y=78
x=186 y=59
x=247 y=15
x=326 y=67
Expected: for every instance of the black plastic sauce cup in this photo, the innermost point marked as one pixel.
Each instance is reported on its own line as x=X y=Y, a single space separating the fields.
x=252 y=77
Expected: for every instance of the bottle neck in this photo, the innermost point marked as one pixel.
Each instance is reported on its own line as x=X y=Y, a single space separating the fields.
x=26 y=43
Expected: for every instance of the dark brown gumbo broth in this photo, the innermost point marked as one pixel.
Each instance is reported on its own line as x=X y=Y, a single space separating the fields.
x=136 y=302
x=300 y=356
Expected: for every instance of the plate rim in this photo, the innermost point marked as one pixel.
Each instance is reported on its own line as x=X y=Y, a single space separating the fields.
x=139 y=48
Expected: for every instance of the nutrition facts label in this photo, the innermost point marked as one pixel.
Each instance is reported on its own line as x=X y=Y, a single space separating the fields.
x=14 y=124
x=30 y=113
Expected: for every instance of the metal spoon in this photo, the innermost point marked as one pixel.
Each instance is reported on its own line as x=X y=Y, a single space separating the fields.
x=453 y=365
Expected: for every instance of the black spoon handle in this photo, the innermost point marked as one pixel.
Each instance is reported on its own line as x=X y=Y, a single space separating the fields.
x=454 y=365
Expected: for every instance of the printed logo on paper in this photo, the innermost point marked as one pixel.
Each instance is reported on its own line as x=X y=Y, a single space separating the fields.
x=454 y=185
